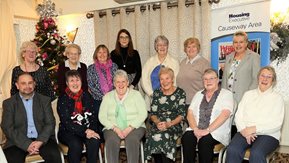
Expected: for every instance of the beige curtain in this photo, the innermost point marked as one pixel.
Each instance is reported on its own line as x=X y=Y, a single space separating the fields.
x=7 y=47
x=176 y=23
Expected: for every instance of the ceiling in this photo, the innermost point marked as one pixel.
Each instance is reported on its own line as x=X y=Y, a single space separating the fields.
x=26 y=8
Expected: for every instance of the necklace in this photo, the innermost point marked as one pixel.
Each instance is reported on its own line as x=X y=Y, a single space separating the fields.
x=124 y=61
x=34 y=67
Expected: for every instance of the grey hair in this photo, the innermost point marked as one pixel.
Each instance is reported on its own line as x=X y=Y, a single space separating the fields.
x=120 y=73
x=161 y=38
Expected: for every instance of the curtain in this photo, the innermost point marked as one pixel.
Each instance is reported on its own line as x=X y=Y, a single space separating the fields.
x=7 y=47
x=177 y=23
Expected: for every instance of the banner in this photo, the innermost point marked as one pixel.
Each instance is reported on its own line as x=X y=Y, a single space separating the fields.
x=253 y=18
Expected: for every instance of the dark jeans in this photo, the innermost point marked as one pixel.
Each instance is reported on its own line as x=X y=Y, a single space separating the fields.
x=49 y=152
x=259 y=149
x=205 y=148
x=75 y=146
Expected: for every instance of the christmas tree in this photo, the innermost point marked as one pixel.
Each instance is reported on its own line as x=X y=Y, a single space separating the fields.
x=50 y=43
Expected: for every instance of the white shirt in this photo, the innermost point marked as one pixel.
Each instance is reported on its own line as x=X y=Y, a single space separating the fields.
x=224 y=101
x=265 y=110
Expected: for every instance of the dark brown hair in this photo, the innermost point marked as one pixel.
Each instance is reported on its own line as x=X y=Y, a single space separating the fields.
x=130 y=49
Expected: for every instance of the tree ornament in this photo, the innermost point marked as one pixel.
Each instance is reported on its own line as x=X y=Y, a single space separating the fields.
x=47 y=9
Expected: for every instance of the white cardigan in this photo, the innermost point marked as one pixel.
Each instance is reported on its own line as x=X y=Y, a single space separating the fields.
x=224 y=101
x=265 y=110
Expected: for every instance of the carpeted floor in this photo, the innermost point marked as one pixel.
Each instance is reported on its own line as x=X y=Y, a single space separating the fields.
x=276 y=158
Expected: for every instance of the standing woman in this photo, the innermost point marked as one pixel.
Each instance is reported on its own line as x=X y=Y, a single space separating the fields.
x=150 y=75
x=100 y=75
x=126 y=57
x=72 y=52
x=196 y=65
x=78 y=121
x=241 y=69
x=28 y=52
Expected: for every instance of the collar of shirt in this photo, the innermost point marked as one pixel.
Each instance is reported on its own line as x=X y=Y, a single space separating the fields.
x=26 y=99
x=269 y=90
x=66 y=64
x=192 y=60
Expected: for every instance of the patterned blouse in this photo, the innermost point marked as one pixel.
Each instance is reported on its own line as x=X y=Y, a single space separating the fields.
x=41 y=77
x=93 y=81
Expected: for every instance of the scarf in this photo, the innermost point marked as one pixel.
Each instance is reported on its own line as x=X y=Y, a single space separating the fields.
x=120 y=113
x=105 y=83
x=77 y=99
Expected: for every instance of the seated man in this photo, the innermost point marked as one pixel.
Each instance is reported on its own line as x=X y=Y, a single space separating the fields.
x=28 y=124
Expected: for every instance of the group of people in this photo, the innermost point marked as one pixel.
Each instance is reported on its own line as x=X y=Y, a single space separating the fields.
x=102 y=103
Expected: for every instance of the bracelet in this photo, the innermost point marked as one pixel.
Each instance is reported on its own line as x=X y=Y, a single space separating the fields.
x=208 y=129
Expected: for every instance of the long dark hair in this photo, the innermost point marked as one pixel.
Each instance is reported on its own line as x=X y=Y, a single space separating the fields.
x=130 y=49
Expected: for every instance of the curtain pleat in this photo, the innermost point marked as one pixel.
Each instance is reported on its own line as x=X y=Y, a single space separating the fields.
x=176 y=23
x=7 y=48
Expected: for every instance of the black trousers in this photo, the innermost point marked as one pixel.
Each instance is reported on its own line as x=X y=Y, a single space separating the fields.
x=205 y=148
x=49 y=152
x=75 y=146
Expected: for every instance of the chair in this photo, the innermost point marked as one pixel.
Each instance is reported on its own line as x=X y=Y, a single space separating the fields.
x=33 y=159
x=64 y=150
x=122 y=145
x=247 y=155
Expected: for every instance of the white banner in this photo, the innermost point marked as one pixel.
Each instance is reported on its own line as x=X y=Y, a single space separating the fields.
x=248 y=17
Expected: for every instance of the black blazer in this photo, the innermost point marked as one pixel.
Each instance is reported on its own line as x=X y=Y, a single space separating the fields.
x=14 y=120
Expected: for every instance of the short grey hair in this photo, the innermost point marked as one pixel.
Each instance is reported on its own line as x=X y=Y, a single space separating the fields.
x=272 y=70
x=120 y=73
x=160 y=38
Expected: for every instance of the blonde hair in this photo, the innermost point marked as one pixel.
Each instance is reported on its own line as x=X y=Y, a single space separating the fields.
x=241 y=33
x=167 y=70
x=192 y=40
x=70 y=46
x=272 y=70
x=25 y=45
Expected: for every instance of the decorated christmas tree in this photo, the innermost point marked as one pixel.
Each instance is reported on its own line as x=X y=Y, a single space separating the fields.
x=50 y=43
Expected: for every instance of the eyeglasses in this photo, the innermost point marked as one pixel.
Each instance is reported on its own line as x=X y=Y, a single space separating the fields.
x=123 y=37
x=29 y=51
x=209 y=79
x=266 y=76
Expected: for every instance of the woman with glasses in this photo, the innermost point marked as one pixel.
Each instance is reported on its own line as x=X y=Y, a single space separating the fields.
x=127 y=58
x=259 y=119
x=28 y=53
x=73 y=53
x=150 y=75
x=209 y=120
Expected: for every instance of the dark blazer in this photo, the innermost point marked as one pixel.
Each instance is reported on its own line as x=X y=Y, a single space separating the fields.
x=246 y=74
x=14 y=120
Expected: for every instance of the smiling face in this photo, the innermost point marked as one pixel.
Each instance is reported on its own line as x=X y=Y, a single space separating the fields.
x=167 y=82
x=25 y=84
x=162 y=48
x=29 y=55
x=240 y=44
x=123 y=40
x=102 y=55
x=73 y=55
x=265 y=80
x=210 y=81
x=121 y=85
x=74 y=84
x=191 y=50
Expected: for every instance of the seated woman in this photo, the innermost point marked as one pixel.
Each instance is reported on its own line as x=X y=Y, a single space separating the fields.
x=259 y=119
x=209 y=122
x=78 y=121
x=167 y=111
x=122 y=113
